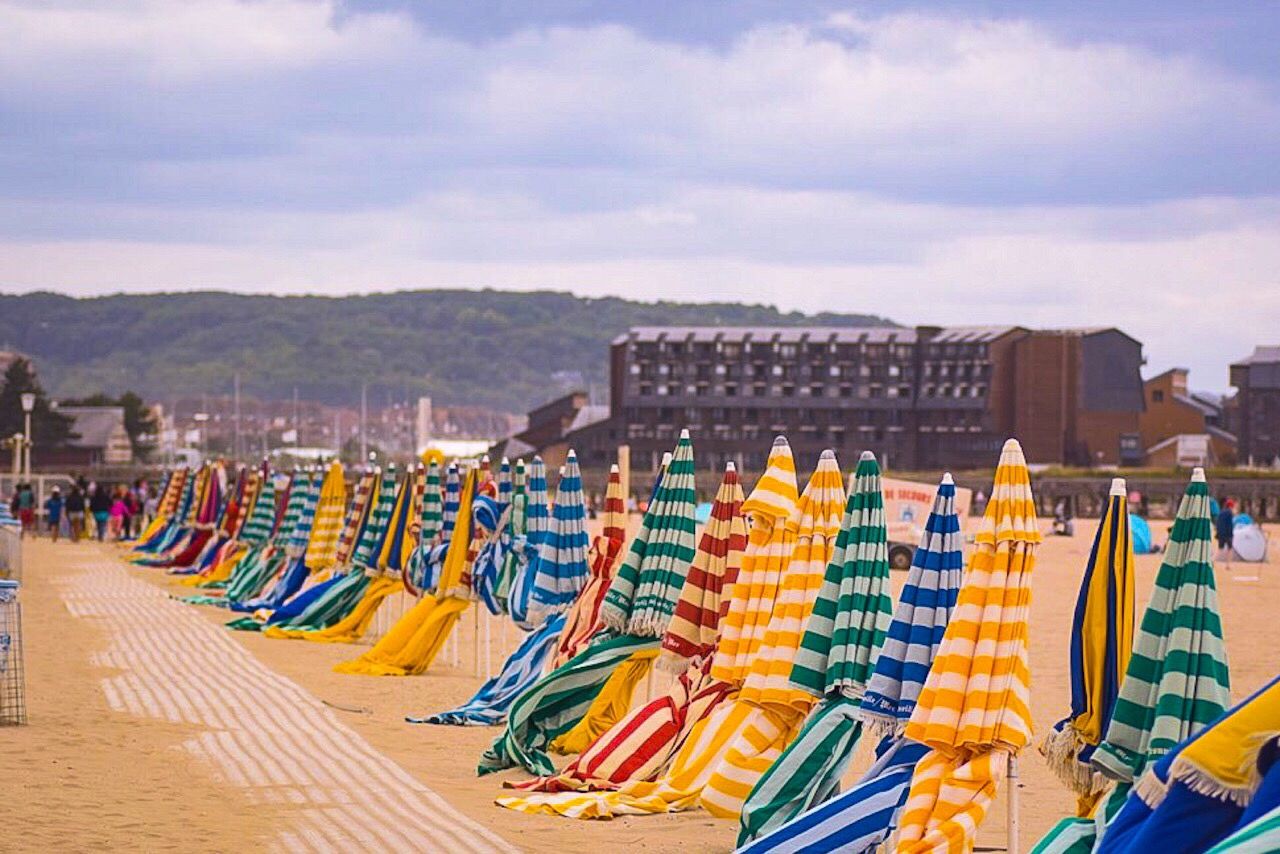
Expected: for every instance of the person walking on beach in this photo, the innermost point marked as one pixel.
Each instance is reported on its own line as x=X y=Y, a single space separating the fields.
x=75 y=512
x=100 y=507
x=26 y=506
x=119 y=514
x=53 y=513
x=1224 y=527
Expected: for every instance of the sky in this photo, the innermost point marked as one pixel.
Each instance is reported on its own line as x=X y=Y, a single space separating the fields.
x=1047 y=164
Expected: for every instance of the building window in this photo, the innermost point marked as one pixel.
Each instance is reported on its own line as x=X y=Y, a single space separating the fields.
x=635 y=369
x=662 y=389
x=730 y=390
x=646 y=389
x=777 y=370
x=895 y=371
x=720 y=369
x=1157 y=396
x=891 y=391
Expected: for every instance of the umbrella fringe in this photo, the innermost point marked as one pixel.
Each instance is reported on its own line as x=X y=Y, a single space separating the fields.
x=879 y=726
x=672 y=663
x=1151 y=789
x=1061 y=750
x=1204 y=783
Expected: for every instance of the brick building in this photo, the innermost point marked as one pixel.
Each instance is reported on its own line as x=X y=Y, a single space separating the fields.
x=1256 y=417
x=919 y=398
x=1180 y=425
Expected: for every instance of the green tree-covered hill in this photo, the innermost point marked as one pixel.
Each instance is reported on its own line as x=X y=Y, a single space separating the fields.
x=506 y=350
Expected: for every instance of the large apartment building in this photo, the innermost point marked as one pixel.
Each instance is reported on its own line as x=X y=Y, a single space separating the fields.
x=926 y=397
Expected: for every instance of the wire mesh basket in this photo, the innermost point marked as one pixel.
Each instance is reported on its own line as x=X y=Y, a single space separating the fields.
x=13 y=699
x=10 y=552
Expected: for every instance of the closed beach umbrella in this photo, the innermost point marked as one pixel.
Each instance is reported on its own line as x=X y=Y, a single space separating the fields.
x=504 y=485
x=1209 y=787
x=841 y=641
x=322 y=546
x=974 y=712
x=742 y=629
x=582 y=620
x=560 y=570
x=525 y=552
x=1101 y=640
x=644 y=590
x=1177 y=681
x=452 y=499
x=410 y=646
x=371 y=549
x=262 y=517
x=864 y=816
x=577 y=702
x=642 y=743
x=779 y=707
x=515 y=513
x=694 y=630
x=370 y=508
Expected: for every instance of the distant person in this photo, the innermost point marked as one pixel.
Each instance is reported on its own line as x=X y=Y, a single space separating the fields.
x=75 y=511
x=53 y=513
x=1224 y=527
x=26 y=509
x=100 y=507
x=118 y=515
x=1064 y=523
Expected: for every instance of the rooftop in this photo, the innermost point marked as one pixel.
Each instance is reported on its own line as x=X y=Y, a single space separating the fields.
x=782 y=334
x=94 y=424
x=1268 y=355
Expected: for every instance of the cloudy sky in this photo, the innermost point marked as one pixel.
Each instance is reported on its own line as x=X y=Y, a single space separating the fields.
x=1047 y=163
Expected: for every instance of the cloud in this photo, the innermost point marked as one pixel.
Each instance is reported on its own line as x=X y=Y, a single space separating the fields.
x=931 y=168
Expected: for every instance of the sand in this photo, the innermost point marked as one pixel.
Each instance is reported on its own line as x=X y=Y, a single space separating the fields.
x=84 y=777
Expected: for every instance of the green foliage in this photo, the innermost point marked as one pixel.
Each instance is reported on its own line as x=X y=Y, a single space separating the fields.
x=490 y=348
x=49 y=428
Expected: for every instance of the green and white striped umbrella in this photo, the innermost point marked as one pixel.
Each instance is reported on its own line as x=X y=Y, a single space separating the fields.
x=515 y=528
x=643 y=594
x=375 y=526
x=836 y=657
x=1177 y=681
x=263 y=515
x=432 y=506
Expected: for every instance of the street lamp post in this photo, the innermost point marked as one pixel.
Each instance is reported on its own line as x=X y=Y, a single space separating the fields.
x=28 y=404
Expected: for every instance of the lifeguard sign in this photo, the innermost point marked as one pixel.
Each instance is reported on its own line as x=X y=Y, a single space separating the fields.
x=907 y=505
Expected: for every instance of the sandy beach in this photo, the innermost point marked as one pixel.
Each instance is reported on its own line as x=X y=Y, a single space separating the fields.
x=95 y=775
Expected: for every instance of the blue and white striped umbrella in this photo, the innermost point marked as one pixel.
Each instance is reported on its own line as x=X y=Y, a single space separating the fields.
x=920 y=618
x=560 y=570
x=504 y=485
x=526 y=548
x=866 y=814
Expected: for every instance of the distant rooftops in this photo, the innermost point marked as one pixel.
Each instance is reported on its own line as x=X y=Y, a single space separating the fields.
x=839 y=334
x=1262 y=356
x=782 y=334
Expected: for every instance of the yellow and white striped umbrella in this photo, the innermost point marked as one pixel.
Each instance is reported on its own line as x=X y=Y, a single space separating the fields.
x=974 y=712
x=778 y=707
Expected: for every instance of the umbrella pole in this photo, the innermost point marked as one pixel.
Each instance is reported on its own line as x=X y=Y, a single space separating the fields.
x=475 y=639
x=1011 y=820
x=488 y=645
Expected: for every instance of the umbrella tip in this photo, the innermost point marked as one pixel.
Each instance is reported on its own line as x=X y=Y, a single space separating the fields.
x=1197 y=475
x=947 y=479
x=684 y=433
x=867 y=455
x=572 y=455
x=613 y=469
x=1117 y=486
x=729 y=466
x=779 y=440
x=828 y=454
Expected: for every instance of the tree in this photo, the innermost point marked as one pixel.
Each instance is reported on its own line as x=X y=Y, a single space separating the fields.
x=49 y=428
x=139 y=421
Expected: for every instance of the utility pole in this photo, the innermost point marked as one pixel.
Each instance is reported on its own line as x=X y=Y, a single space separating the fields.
x=364 y=421
x=238 y=449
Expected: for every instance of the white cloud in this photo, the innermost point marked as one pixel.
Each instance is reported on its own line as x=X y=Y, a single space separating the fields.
x=928 y=168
